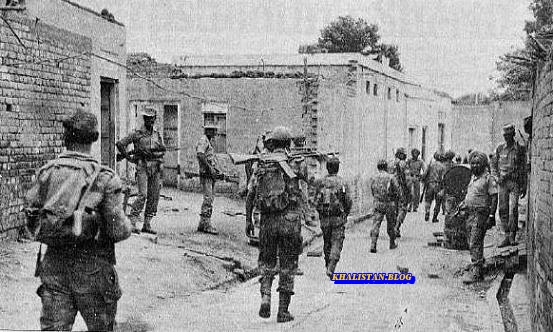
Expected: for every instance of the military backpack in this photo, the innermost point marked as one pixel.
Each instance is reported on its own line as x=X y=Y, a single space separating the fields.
x=329 y=199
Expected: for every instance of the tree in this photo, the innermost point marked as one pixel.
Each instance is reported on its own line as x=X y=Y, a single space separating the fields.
x=347 y=34
x=517 y=68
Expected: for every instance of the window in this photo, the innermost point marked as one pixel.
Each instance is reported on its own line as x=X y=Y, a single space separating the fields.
x=389 y=93
x=397 y=96
x=215 y=116
x=411 y=138
x=441 y=136
x=375 y=90
x=368 y=87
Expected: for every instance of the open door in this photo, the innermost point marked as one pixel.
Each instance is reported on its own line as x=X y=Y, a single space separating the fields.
x=108 y=107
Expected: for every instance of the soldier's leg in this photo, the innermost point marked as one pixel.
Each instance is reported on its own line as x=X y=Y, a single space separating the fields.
x=391 y=227
x=376 y=221
x=514 y=195
x=138 y=204
x=438 y=206
x=267 y=259
x=402 y=212
x=428 y=198
x=289 y=250
x=503 y=207
x=337 y=243
x=97 y=311
x=476 y=224
x=152 y=201
x=327 y=244
x=58 y=306
x=208 y=186
x=416 y=194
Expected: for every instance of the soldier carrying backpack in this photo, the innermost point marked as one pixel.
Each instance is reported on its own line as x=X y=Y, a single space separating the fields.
x=333 y=202
x=76 y=208
x=275 y=191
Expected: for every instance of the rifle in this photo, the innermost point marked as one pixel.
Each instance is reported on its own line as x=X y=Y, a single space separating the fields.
x=308 y=152
x=403 y=182
x=120 y=156
x=282 y=160
x=423 y=193
x=222 y=176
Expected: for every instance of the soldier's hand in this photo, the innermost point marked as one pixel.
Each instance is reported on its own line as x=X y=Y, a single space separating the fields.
x=249 y=229
x=523 y=194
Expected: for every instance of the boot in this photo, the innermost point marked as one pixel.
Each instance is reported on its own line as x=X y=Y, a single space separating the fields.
x=473 y=275
x=373 y=246
x=506 y=242
x=205 y=226
x=393 y=244
x=265 y=309
x=134 y=220
x=331 y=267
x=147 y=228
x=284 y=315
x=512 y=238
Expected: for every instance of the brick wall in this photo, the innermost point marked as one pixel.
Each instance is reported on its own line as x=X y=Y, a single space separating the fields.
x=34 y=97
x=540 y=227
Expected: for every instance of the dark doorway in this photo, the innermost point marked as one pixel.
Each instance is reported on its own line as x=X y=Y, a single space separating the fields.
x=108 y=96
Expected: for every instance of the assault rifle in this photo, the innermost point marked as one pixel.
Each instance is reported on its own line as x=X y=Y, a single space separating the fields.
x=281 y=159
x=221 y=176
x=131 y=153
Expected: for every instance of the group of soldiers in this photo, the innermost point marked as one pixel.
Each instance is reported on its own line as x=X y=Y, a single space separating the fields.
x=76 y=209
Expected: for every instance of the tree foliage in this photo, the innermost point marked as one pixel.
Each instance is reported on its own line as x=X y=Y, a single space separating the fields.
x=517 y=68
x=347 y=34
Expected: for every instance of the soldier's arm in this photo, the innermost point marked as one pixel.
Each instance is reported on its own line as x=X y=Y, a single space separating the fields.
x=160 y=150
x=348 y=202
x=493 y=192
x=124 y=142
x=201 y=149
x=117 y=225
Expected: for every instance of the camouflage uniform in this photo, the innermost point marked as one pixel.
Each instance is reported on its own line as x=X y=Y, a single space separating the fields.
x=385 y=191
x=80 y=277
x=433 y=182
x=509 y=169
x=333 y=227
x=416 y=168
x=280 y=234
x=149 y=150
x=209 y=170
x=403 y=197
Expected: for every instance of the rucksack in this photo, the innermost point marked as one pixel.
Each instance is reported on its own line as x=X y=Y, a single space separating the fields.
x=329 y=199
x=66 y=219
x=273 y=194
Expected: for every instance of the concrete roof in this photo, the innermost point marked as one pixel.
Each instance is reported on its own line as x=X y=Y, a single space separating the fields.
x=318 y=59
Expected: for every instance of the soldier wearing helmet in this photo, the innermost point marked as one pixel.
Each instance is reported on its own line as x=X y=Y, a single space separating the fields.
x=274 y=189
x=385 y=191
x=416 y=168
x=432 y=179
x=401 y=172
x=333 y=203
x=479 y=203
x=58 y=189
x=148 y=153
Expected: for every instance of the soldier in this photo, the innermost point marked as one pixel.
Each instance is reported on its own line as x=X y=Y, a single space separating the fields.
x=385 y=191
x=479 y=202
x=509 y=169
x=148 y=153
x=274 y=188
x=333 y=201
x=209 y=172
x=79 y=276
x=401 y=173
x=432 y=178
x=416 y=169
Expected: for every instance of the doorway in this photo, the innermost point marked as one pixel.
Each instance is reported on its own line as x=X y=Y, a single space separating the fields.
x=108 y=107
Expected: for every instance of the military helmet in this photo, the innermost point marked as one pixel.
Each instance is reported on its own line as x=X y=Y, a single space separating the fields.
x=449 y=155
x=280 y=133
x=479 y=158
x=382 y=164
x=81 y=127
x=415 y=151
x=333 y=160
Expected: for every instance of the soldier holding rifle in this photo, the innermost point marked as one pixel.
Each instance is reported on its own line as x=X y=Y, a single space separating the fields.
x=148 y=153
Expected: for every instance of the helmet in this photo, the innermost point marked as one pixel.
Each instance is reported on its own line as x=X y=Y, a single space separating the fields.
x=382 y=164
x=149 y=112
x=279 y=134
x=400 y=153
x=415 y=152
x=333 y=161
x=479 y=158
x=81 y=127
x=449 y=155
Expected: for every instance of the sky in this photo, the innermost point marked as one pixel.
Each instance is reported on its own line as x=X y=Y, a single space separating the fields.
x=451 y=45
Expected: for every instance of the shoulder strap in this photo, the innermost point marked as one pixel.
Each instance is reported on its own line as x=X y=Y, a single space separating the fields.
x=92 y=179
